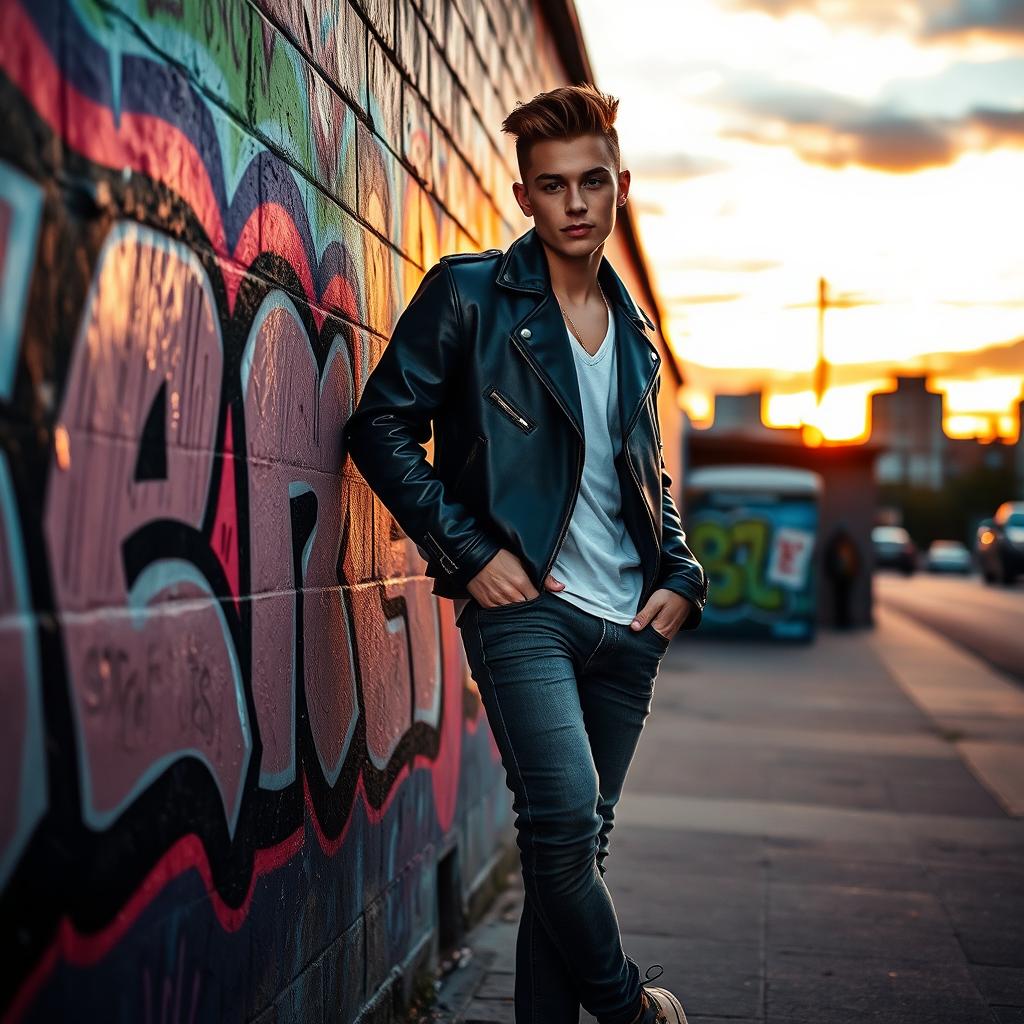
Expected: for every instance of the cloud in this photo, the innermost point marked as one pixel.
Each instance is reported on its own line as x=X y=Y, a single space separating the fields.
x=701 y=299
x=997 y=303
x=1007 y=125
x=877 y=15
x=641 y=205
x=927 y=20
x=993 y=361
x=844 y=300
x=675 y=166
x=995 y=18
x=720 y=264
x=898 y=146
x=1002 y=360
x=835 y=131
x=957 y=88
x=761 y=96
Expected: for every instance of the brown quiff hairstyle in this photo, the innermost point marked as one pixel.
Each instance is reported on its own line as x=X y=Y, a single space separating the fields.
x=563 y=113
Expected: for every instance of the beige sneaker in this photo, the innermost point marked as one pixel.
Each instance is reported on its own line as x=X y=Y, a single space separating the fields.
x=659 y=1005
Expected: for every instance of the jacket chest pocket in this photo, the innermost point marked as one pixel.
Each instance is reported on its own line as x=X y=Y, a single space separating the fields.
x=511 y=410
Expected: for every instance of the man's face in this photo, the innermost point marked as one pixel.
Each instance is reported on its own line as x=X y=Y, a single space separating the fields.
x=572 y=181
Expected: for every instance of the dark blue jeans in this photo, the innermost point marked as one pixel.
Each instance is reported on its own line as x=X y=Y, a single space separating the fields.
x=566 y=694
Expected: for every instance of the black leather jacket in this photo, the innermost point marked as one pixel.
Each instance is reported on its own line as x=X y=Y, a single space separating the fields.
x=482 y=352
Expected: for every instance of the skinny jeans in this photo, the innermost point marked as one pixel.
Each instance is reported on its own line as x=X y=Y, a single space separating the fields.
x=566 y=694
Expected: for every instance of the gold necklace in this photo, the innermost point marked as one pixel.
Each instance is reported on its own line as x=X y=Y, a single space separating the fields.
x=576 y=333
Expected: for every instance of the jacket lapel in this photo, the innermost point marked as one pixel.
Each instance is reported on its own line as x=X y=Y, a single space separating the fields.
x=547 y=344
x=637 y=360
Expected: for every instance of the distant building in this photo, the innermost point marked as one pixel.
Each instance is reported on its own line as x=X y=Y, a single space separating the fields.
x=906 y=424
x=737 y=412
x=967 y=455
x=741 y=414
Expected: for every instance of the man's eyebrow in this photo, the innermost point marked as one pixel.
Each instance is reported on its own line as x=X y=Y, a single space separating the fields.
x=585 y=174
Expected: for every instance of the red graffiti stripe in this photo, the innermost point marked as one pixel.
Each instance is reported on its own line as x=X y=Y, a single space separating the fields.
x=271 y=223
x=186 y=854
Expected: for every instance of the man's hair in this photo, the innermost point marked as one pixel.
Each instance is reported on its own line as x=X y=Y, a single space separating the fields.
x=562 y=113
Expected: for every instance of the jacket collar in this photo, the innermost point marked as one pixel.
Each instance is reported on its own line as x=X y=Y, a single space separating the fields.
x=525 y=268
x=541 y=333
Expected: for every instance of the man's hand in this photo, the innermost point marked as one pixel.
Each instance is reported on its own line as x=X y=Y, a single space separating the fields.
x=665 y=610
x=503 y=580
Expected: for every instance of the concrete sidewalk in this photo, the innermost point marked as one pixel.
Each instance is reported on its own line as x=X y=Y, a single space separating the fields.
x=820 y=834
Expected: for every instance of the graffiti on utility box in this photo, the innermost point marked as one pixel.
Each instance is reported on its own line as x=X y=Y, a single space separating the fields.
x=754 y=530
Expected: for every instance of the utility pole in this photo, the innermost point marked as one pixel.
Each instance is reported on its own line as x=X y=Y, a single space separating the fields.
x=821 y=367
x=811 y=431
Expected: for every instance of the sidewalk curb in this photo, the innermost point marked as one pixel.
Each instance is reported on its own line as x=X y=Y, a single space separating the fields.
x=456 y=988
x=977 y=709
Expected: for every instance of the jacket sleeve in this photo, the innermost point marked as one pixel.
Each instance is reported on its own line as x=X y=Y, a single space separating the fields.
x=680 y=571
x=391 y=422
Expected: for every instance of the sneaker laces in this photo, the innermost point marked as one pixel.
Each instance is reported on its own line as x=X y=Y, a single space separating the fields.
x=647 y=973
x=659 y=1016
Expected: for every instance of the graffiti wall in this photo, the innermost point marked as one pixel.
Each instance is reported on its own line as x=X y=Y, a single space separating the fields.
x=239 y=733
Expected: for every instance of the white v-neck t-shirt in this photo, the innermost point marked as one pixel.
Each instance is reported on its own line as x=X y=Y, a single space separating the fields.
x=598 y=561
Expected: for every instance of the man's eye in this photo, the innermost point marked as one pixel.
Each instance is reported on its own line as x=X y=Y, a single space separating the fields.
x=551 y=186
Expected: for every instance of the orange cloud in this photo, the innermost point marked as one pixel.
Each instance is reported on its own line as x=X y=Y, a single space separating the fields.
x=840 y=133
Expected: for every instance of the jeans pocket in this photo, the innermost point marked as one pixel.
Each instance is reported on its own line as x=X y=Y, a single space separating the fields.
x=666 y=640
x=510 y=606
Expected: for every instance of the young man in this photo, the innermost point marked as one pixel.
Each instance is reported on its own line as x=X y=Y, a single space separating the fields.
x=547 y=517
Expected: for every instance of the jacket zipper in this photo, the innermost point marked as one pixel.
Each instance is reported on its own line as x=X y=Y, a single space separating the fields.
x=447 y=563
x=517 y=418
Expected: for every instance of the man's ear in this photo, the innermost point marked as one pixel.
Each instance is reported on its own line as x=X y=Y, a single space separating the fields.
x=522 y=198
x=624 y=179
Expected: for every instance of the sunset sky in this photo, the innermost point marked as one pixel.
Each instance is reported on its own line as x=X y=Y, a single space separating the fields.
x=876 y=143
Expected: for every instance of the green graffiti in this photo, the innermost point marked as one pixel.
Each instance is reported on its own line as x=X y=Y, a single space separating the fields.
x=735 y=556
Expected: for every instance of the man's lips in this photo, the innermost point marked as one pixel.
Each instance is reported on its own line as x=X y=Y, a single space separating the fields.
x=578 y=229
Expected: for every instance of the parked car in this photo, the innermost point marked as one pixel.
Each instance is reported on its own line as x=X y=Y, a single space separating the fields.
x=894 y=549
x=948 y=556
x=1001 y=545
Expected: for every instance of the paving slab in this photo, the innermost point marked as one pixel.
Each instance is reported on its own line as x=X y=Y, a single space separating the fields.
x=1001 y=986
x=823 y=987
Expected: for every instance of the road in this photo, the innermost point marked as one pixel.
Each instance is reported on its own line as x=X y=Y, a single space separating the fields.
x=988 y=621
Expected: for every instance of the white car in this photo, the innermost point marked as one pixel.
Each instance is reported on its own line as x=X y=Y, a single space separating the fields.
x=948 y=556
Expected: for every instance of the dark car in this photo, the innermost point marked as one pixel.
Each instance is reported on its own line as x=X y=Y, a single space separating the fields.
x=1001 y=545
x=894 y=549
